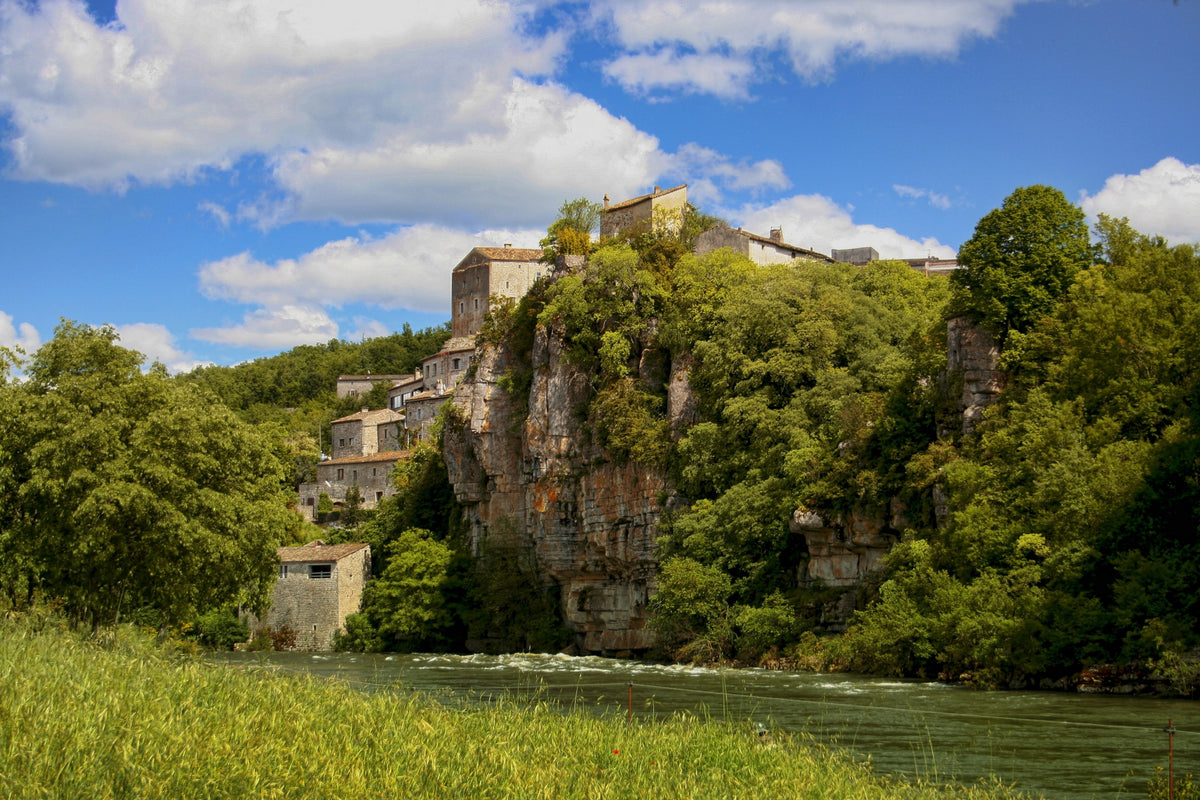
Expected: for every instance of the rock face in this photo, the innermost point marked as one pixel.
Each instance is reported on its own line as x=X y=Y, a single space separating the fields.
x=971 y=351
x=528 y=477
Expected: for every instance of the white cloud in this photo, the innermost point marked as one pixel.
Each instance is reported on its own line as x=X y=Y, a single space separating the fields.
x=24 y=336
x=1161 y=200
x=157 y=343
x=217 y=212
x=365 y=328
x=935 y=199
x=709 y=46
x=816 y=222
x=548 y=144
x=175 y=87
x=691 y=73
x=274 y=328
x=408 y=269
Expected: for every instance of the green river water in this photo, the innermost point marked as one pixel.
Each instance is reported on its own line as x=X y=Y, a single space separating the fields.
x=1060 y=745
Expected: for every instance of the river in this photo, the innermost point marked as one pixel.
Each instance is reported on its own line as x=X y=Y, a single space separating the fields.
x=1063 y=746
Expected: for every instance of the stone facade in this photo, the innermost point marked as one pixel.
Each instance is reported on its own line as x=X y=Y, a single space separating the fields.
x=354 y=385
x=759 y=249
x=319 y=585
x=364 y=433
x=370 y=473
x=972 y=353
x=486 y=272
x=662 y=207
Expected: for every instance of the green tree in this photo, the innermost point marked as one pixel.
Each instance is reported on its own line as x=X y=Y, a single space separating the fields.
x=571 y=232
x=1021 y=259
x=138 y=491
x=406 y=603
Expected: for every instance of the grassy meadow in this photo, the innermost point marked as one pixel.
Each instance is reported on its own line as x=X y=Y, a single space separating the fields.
x=115 y=716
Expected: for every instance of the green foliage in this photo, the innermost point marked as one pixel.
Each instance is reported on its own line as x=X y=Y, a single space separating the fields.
x=324 y=504
x=136 y=490
x=352 y=507
x=406 y=604
x=1186 y=786
x=510 y=606
x=220 y=629
x=691 y=607
x=570 y=233
x=1021 y=260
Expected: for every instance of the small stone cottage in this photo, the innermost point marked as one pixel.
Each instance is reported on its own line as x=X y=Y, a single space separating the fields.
x=319 y=586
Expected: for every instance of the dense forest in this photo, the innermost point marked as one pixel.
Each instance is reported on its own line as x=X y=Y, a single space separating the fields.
x=1059 y=532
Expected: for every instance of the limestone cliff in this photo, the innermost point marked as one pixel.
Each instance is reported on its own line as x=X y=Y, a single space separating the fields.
x=529 y=477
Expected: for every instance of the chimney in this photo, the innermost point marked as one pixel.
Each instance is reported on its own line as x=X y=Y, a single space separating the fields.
x=777 y=235
x=606 y=201
x=657 y=189
x=365 y=409
x=508 y=244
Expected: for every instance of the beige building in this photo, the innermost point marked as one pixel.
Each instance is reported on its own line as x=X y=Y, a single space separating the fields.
x=759 y=249
x=486 y=272
x=365 y=433
x=335 y=477
x=354 y=385
x=662 y=207
x=319 y=585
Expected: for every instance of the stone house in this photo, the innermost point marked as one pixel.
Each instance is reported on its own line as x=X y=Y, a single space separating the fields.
x=335 y=476
x=421 y=410
x=319 y=585
x=660 y=207
x=486 y=272
x=365 y=433
x=354 y=385
x=405 y=388
x=759 y=249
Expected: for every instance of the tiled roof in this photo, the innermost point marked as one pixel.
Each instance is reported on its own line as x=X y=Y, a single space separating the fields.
x=636 y=200
x=379 y=412
x=383 y=455
x=369 y=377
x=318 y=551
x=509 y=253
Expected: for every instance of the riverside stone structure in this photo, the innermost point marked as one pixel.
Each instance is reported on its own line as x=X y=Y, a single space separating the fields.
x=319 y=585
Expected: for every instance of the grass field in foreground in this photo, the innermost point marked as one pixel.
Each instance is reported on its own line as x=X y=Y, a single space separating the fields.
x=116 y=717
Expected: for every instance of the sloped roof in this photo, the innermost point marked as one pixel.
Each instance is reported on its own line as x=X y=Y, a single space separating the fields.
x=485 y=254
x=643 y=198
x=363 y=415
x=382 y=455
x=318 y=551
x=794 y=248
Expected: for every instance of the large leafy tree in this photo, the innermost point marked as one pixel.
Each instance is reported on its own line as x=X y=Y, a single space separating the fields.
x=1021 y=259
x=135 y=491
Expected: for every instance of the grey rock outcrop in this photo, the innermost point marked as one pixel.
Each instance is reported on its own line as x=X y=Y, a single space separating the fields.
x=529 y=477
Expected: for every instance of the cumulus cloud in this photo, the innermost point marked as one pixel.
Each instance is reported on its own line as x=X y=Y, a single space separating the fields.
x=710 y=46
x=1160 y=200
x=157 y=343
x=361 y=111
x=818 y=223
x=407 y=269
x=24 y=336
x=933 y=198
x=274 y=328
x=176 y=87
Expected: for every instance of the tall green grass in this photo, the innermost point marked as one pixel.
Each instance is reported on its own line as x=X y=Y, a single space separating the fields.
x=117 y=717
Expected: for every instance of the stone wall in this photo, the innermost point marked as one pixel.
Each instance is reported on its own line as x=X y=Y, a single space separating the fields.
x=316 y=608
x=589 y=523
x=973 y=355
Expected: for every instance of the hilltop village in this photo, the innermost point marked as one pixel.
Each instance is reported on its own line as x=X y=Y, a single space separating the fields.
x=366 y=445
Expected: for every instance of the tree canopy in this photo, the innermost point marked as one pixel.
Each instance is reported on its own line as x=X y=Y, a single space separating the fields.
x=125 y=490
x=1021 y=259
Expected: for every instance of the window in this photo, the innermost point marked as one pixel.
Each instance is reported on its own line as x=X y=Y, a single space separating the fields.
x=341 y=473
x=457 y=364
x=476 y=303
x=352 y=441
x=312 y=501
x=372 y=472
x=341 y=442
x=283 y=570
x=356 y=476
x=460 y=306
x=378 y=496
x=316 y=571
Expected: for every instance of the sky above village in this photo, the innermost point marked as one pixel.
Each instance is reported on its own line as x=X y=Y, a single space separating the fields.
x=225 y=179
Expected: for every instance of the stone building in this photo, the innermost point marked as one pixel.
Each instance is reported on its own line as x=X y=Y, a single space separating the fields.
x=319 y=585
x=486 y=272
x=421 y=410
x=405 y=388
x=335 y=476
x=445 y=368
x=759 y=249
x=662 y=207
x=354 y=385
x=365 y=433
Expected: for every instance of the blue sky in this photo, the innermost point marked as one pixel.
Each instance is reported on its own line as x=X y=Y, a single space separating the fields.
x=225 y=179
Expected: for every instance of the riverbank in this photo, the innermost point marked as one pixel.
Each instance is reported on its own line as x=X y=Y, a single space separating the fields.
x=117 y=716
